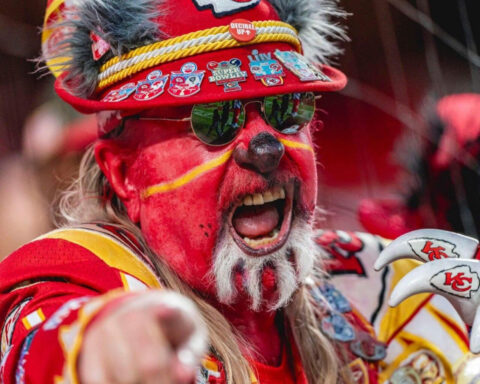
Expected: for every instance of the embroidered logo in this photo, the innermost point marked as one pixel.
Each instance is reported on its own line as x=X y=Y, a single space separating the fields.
x=225 y=7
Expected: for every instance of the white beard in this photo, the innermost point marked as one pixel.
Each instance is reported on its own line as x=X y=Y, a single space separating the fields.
x=300 y=244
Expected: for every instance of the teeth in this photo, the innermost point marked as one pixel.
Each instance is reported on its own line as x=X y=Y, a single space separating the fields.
x=248 y=200
x=255 y=243
x=276 y=193
x=257 y=199
x=268 y=197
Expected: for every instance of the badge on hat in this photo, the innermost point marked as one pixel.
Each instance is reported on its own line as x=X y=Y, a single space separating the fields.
x=225 y=7
x=300 y=66
x=227 y=73
x=242 y=30
x=187 y=82
x=99 y=46
x=120 y=94
x=266 y=69
x=152 y=87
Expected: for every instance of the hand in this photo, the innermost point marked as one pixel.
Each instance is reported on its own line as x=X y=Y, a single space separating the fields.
x=449 y=270
x=153 y=337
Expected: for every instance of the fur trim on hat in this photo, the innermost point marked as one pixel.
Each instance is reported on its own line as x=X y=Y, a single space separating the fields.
x=316 y=25
x=124 y=24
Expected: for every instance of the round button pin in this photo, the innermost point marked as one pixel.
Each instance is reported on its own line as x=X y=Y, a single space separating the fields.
x=242 y=30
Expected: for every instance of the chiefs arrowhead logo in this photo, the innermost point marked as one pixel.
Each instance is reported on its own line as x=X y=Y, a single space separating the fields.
x=225 y=7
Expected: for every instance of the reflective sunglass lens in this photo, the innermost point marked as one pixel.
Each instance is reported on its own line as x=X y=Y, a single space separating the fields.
x=217 y=123
x=289 y=113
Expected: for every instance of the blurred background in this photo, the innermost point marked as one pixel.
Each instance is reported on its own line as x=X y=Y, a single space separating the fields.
x=390 y=159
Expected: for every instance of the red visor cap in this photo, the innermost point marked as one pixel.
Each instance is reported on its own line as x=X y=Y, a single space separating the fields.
x=125 y=94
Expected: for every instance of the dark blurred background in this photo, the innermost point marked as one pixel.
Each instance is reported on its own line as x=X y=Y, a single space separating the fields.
x=402 y=53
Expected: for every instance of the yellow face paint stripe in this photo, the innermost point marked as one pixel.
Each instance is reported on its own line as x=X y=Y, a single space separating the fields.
x=187 y=177
x=296 y=145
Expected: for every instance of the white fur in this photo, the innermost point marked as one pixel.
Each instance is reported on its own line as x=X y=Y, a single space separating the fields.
x=317 y=23
x=228 y=256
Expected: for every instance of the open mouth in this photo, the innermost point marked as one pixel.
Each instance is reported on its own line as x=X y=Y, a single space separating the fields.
x=260 y=223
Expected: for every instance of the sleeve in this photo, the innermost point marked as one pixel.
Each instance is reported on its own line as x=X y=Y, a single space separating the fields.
x=50 y=291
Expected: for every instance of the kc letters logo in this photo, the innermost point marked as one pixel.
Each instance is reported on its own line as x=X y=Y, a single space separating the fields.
x=459 y=281
x=225 y=7
x=429 y=249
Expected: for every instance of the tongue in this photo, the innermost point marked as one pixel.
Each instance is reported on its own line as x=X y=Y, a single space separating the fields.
x=255 y=221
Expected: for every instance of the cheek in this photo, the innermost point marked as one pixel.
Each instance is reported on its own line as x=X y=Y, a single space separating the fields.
x=180 y=219
x=303 y=158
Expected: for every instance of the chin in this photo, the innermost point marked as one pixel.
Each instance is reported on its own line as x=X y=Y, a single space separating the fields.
x=265 y=250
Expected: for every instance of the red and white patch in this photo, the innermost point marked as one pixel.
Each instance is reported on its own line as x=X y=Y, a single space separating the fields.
x=99 y=46
x=225 y=7
x=152 y=87
x=120 y=94
x=459 y=281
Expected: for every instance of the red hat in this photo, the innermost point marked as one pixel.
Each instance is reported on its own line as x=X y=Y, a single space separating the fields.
x=137 y=54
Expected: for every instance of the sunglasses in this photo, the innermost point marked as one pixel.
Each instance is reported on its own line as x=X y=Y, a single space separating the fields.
x=220 y=122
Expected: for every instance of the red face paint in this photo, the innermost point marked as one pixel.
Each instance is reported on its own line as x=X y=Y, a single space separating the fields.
x=188 y=189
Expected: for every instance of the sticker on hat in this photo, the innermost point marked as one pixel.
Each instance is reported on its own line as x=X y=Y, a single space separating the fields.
x=225 y=7
x=242 y=30
x=99 y=46
x=300 y=66
x=266 y=69
x=227 y=73
x=120 y=94
x=187 y=81
x=152 y=87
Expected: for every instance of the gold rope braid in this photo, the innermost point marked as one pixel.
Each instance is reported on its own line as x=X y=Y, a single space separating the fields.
x=186 y=37
x=209 y=47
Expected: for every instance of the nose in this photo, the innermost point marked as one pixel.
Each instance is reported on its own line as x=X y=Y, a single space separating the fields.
x=264 y=153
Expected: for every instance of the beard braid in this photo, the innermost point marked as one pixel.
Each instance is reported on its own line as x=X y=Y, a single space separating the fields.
x=299 y=251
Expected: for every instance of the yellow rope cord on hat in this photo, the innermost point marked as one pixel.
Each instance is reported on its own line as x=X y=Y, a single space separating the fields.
x=186 y=37
x=194 y=51
x=110 y=75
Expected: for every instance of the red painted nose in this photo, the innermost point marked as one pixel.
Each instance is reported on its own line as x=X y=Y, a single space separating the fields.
x=263 y=155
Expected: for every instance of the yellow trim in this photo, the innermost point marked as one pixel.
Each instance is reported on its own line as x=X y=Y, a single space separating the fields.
x=296 y=145
x=413 y=344
x=52 y=8
x=26 y=322
x=187 y=177
x=437 y=314
x=395 y=318
x=109 y=251
x=71 y=336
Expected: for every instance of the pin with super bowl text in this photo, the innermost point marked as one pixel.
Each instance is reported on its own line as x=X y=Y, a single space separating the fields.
x=187 y=81
x=266 y=69
x=228 y=74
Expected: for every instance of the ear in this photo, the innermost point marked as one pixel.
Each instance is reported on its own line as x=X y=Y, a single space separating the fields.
x=112 y=160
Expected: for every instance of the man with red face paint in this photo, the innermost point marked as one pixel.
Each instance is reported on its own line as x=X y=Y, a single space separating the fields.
x=223 y=216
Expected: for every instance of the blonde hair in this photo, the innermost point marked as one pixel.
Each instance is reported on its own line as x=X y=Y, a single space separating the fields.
x=90 y=198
